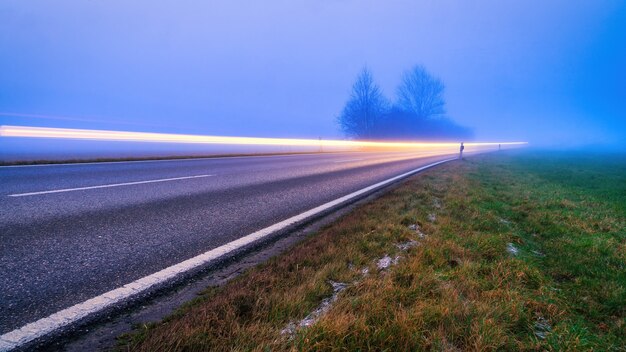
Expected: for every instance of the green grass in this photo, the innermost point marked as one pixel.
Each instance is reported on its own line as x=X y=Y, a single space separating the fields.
x=459 y=289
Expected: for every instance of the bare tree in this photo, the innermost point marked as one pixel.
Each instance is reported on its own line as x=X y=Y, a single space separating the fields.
x=418 y=113
x=421 y=94
x=365 y=108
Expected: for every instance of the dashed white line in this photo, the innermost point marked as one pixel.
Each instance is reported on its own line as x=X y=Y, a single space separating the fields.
x=30 y=332
x=106 y=186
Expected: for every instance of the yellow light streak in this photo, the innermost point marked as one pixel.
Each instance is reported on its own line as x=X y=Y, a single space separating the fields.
x=127 y=136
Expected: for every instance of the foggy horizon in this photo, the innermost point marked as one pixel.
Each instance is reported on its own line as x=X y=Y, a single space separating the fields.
x=550 y=74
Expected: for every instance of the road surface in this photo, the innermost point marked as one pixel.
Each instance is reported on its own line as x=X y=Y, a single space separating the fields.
x=72 y=232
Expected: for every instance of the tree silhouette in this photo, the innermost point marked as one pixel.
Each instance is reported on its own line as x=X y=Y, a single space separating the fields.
x=421 y=94
x=418 y=113
x=364 y=110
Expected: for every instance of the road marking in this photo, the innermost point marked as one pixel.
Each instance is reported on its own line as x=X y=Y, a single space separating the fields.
x=347 y=160
x=65 y=317
x=106 y=186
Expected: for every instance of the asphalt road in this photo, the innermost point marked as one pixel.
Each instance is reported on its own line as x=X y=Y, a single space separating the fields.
x=109 y=226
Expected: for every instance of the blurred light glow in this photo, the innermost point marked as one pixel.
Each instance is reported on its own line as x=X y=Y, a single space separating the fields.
x=127 y=136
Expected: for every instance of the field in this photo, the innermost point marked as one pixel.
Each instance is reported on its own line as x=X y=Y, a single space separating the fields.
x=505 y=251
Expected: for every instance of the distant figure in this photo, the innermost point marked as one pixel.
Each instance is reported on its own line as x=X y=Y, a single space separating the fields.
x=461 y=153
x=499 y=146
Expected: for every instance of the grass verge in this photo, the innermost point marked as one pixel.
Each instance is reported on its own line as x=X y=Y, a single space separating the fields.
x=506 y=251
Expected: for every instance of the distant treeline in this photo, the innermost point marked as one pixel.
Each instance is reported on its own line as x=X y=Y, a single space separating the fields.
x=417 y=113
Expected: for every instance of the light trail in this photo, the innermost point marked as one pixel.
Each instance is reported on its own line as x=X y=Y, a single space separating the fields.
x=127 y=136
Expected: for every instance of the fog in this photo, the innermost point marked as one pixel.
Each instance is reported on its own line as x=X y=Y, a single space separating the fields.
x=552 y=74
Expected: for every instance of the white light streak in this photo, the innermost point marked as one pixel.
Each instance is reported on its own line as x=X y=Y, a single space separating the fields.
x=127 y=136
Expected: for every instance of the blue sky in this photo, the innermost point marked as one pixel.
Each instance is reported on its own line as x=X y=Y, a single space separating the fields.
x=550 y=72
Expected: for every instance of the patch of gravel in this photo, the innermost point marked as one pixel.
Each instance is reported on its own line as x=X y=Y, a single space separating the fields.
x=538 y=254
x=416 y=228
x=542 y=328
x=386 y=261
x=314 y=316
x=382 y=264
x=510 y=247
x=406 y=245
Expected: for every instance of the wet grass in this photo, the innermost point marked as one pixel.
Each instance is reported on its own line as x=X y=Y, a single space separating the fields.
x=522 y=251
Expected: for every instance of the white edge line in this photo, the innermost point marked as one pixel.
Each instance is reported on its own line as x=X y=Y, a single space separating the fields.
x=106 y=186
x=44 y=326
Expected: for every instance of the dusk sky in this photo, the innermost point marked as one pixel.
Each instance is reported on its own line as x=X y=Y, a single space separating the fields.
x=551 y=73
